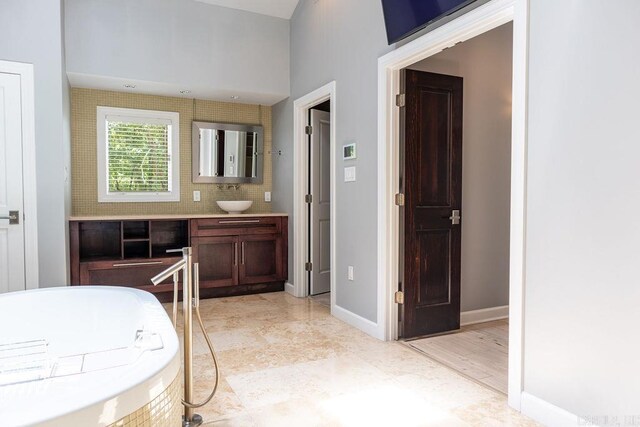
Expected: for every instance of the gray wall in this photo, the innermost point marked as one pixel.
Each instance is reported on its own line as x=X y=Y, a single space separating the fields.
x=182 y=42
x=485 y=63
x=31 y=31
x=582 y=276
x=341 y=41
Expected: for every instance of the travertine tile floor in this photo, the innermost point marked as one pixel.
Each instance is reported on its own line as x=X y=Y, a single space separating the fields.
x=287 y=362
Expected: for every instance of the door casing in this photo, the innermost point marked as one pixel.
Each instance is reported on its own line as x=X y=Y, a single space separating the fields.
x=30 y=206
x=300 y=245
x=476 y=22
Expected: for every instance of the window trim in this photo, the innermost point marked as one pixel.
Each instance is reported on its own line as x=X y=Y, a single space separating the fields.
x=104 y=195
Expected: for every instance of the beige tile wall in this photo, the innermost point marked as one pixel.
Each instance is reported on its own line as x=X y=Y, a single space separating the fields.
x=84 y=178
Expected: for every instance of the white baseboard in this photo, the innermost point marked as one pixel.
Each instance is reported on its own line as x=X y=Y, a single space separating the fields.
x=548 y=414
x=289 y=288
x=365 y=325
x=484 y=315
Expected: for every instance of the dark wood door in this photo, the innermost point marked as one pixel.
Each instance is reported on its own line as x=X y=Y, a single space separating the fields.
x=432 y=184
x=218 y=260
x=260 y=259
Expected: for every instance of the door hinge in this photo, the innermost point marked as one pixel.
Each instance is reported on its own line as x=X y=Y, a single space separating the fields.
x=308 y=198
x=399 y=199
x=308 y=130
x=455 y=217
x=401 y=99
x=399 y=297
x=308 y=266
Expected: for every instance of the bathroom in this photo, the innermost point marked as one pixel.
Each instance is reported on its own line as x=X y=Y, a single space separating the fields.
x=201 y=216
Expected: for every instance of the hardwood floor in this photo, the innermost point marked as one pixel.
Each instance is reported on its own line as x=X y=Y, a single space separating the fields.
x=478 y=351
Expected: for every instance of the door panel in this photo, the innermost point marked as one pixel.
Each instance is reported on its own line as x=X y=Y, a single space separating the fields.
x=260 y=259
x=324 y=264
x=434 y=149
x=320 y=277
x=218 y=260
x=432 y=183
x=434 y=267
x=12 y=262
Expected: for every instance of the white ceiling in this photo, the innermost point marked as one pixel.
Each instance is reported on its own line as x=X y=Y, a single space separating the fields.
x=278 y=8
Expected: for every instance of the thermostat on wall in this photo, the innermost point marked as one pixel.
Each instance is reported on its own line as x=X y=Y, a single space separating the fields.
x=349 y=151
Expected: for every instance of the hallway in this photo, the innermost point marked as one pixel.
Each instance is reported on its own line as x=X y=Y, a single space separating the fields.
x=287 y=362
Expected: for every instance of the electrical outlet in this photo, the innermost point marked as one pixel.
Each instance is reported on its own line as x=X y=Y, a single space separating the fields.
x=267 y=196
x=196 y=196
x=350 y=272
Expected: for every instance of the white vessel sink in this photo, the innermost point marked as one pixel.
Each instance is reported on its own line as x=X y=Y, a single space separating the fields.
x=234 y=206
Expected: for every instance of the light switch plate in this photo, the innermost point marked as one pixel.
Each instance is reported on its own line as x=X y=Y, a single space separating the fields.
x=196 y=196
x=350 y=272
x=267 y=196
x=350 y=174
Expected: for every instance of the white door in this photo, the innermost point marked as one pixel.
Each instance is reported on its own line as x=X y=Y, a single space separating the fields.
x=320 y=203
x=12 y=262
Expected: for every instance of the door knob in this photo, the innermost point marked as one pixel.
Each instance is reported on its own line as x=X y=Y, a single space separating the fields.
x=455 y=217
x=13 y=217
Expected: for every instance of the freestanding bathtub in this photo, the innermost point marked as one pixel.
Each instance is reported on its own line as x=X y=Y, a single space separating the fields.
x=87 y=356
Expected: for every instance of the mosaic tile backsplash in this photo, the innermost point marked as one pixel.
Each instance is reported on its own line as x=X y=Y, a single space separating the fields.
x=84 y=180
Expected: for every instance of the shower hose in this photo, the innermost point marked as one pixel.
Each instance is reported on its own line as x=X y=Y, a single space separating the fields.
x=215 y=364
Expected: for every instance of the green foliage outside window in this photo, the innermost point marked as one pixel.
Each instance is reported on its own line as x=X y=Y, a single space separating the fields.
x=139 y=158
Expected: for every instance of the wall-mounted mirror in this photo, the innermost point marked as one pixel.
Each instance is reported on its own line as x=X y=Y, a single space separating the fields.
x=227 y=153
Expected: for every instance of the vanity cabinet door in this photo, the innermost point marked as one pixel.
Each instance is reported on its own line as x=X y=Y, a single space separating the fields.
x=260 y=259
x=218 y=260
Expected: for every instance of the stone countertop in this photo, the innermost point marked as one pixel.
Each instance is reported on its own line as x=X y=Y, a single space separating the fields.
x=169 y=217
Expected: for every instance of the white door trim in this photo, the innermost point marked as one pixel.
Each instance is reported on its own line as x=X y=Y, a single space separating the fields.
x=469 y=25
x=25 y=71
x=300 y=178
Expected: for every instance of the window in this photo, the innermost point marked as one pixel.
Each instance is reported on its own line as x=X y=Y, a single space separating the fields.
x=138 y=155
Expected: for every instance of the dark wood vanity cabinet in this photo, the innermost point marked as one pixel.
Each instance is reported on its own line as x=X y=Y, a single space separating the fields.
x=236 y=255
x=242 y=251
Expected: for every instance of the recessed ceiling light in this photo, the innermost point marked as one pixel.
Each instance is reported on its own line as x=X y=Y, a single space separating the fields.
x=130 y=86
x=235 y=97
x=184 y=92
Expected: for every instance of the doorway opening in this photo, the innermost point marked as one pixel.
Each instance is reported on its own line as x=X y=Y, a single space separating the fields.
x=314 y=221
x=476 y=22
x=319 y=203
x=455 y=173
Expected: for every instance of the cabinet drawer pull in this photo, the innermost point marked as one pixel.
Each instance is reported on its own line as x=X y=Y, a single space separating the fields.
x=242 y=250
x=235 y=253
x=240 y=221
x=135 y=264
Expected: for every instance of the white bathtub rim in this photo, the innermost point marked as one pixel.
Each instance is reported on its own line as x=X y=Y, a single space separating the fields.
x=105 y=409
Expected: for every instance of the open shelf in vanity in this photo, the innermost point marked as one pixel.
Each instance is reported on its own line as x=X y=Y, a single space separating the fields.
x=237 y=254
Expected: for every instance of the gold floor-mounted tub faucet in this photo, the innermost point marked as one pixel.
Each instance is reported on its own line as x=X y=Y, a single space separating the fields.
x=190 y=301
